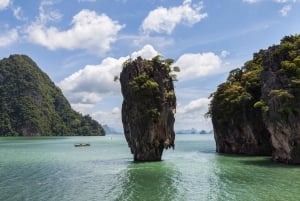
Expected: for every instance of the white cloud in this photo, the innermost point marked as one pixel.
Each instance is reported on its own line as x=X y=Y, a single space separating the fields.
x=192 y=114
x=87 y=0
x=90 y=84
x=281 y=1
x=286 y=1
x=197 y=65
x=198 y=104
x=4 y=4
x=17 y=13
x=164 y=20
x=277 y=1
x=285 y=10
x=82 y=107
x=160 y=42
x=224 y=54
x=89 y=31
x=147 y=52
x=87 y=87
x=8 y=38
x=111 y=118
x=251 y=1
x=47 y=14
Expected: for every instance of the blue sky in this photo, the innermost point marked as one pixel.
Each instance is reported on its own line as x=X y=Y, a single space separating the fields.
x=81 y=45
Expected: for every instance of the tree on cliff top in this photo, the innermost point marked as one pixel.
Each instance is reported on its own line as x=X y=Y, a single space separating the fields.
x=244 y=84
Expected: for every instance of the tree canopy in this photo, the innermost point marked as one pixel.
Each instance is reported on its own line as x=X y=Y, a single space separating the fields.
x=31 y=104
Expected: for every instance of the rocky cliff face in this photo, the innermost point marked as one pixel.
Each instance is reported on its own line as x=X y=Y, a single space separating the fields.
x=148 y=107
x=259 y=104
x=281 y=95
x=247 y=135
x=238 y=126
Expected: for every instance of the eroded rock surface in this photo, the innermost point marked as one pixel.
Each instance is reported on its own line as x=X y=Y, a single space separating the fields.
x=281 y=94
x=259 y=105
x=148 y=107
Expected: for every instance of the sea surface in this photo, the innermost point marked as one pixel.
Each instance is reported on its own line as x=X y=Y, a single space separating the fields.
x=52 y=169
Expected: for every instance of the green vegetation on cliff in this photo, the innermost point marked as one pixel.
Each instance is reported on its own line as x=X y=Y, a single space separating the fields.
x=148 y=107
x=264 y=94
x=148 y=90
x=31 y=104
x=244 y=84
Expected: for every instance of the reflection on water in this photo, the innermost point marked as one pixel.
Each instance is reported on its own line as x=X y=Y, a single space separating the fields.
x=150 y=181
x=256 y=178
x=53 y=169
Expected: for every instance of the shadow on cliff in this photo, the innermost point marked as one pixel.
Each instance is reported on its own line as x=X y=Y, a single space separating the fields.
x=260 y=161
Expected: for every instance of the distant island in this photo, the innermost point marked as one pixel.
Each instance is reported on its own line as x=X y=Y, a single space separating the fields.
x=193 y=131
x=257 y=110
x=31 y=104
x=111 y=130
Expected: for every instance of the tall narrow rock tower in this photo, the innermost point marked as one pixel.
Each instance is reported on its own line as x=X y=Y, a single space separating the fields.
x=148 y=107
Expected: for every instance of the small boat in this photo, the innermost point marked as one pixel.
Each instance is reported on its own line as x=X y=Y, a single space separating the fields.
x=82 y=145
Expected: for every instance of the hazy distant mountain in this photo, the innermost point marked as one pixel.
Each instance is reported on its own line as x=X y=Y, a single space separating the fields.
x=110 y=130
x=193 y=131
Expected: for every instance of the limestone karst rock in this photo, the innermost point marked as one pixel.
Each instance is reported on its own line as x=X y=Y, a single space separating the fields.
x=148 y=107
x=238 y=126
x=281 y=95
x=32 y=105
x=259 y=105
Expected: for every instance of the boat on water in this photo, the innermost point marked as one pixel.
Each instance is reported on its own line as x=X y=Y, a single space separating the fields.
x=82 y=145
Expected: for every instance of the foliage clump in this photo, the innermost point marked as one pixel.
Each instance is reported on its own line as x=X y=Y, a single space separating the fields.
x=147 y=85
x=241 y=90
x=259 y=102
x=243 y=87
x=31 y=104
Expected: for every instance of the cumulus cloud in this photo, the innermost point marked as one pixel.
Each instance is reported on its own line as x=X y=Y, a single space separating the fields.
x=4 y=4
x=160 y=42
x=47 y=13
x=147 y=52
x=224 y=54
x=8 y=38
x=164 y=20
x=286 y=1
x=111 y=118
x=90 y=31
x=251 y=1
x=87 y=0
x=17 y=13
x=87 y=86
x=285 y=10
x=197 y=65
x=192 y=115
x=277 y=1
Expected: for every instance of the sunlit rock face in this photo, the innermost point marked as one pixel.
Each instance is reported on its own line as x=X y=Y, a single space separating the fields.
x=148 y=107
x=281 y=94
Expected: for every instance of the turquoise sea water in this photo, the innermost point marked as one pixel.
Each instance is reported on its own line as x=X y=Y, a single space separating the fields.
x=52 y=169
